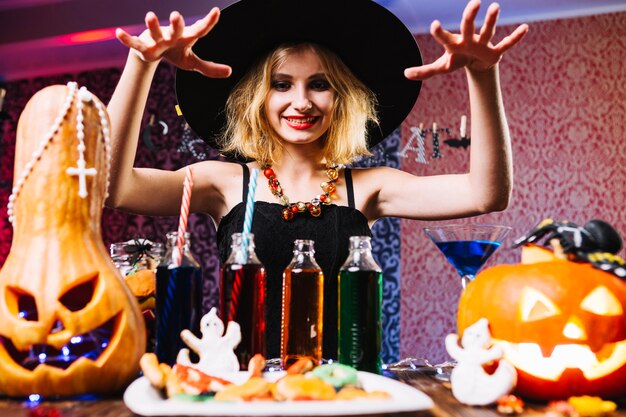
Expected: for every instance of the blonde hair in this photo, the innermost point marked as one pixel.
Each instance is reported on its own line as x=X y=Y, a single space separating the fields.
x=248 y=132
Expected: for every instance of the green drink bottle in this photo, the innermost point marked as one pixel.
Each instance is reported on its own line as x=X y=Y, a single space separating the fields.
x=360 y=308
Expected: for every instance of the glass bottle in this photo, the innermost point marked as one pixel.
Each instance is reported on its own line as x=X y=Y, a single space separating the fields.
x=178 y=299
x=302 y=306
x=360 y=308
x=242 y=296
x=136 y=255
x=137 y=261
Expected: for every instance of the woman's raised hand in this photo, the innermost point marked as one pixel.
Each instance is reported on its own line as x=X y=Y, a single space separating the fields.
x=174 y=43
x=468 y=49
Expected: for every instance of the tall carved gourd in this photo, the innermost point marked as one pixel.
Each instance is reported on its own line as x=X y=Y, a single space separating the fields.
x=68 y=323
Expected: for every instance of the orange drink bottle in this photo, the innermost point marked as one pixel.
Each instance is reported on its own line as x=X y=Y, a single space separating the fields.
x=302 y=306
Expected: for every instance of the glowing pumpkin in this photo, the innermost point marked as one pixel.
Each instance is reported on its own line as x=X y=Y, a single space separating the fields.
x=68 y=323
x=560 y=323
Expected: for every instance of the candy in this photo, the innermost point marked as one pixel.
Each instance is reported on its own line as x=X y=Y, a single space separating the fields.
x=300 y=387
x=588 y=406
x=561 y=409
x=510 y=404
x=336 y=374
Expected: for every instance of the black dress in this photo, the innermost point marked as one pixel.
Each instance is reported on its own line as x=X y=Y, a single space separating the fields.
x=274 y=237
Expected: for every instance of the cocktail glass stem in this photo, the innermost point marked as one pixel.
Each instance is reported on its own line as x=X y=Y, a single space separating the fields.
x=466 y=279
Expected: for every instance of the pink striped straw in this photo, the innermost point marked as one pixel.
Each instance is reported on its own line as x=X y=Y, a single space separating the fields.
x=177 y=255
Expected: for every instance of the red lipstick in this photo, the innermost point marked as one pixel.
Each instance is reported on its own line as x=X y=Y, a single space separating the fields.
x=300 y=122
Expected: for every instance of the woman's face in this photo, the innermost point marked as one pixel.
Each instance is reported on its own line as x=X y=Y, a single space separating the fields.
x=300 y=102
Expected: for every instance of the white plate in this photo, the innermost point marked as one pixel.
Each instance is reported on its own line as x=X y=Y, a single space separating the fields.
x=141 y=398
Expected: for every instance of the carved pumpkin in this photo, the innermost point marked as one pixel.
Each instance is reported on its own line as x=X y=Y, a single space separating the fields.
x=560 y=323
x=68 y=323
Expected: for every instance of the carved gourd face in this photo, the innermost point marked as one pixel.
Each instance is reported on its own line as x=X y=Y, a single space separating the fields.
x=560 y=323
x=68 y=323
x=67 y=338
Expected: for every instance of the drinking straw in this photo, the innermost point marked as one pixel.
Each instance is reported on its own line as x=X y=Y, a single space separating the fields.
x=234 y=298
x=177 y=254
x=247 y=220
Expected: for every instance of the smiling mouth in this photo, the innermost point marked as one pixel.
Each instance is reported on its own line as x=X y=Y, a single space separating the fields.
x=301 y=122
x=528 y=358
x=88 y=345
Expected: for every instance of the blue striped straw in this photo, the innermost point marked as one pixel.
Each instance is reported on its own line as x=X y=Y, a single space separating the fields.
x=247 y=220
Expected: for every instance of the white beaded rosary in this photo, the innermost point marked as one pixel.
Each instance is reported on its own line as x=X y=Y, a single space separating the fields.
x=84 y=96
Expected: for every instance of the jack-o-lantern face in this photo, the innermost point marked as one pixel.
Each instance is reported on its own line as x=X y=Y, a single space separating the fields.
x=560 y=323
x=68 y=323
x=87 y=339
x=69 y=334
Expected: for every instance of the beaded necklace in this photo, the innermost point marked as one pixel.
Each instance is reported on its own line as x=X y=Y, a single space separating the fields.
x=314 y=207
x=83 y=97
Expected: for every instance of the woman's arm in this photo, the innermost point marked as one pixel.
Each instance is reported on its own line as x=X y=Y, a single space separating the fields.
x=142 y=190
x=488 y=184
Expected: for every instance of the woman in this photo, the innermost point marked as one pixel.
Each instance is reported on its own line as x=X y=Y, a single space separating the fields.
x=316 y=101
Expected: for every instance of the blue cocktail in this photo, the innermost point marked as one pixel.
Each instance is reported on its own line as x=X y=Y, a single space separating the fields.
x=467 y=246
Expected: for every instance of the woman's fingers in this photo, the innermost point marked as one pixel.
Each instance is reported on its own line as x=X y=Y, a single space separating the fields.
x=423 y=72
x=508 y=41
x=420 y=73
x=203 y=26
x=152 y=23
x=442 y=36
x=175 y=41
x=467 y=48
x=488 y=29
x=467 y=22
x=177 y=25
x=208 y=68
x=129 y=41
x=124 y=37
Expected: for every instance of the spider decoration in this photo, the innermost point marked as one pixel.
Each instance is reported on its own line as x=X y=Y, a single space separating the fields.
x=137 y=249
x=596 y=242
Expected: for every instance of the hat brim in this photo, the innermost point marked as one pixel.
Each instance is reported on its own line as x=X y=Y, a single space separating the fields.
x=371 y=41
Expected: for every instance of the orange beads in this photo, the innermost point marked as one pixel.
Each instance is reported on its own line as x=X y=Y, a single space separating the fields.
x=313 y=207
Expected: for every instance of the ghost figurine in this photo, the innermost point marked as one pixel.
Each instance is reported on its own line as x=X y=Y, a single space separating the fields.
x=215 y=348
x=470 y=383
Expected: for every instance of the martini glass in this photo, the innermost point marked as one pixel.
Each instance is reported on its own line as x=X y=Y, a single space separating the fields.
x=467 y=246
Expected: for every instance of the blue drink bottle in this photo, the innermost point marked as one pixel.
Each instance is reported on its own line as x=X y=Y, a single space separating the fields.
x=178 y=300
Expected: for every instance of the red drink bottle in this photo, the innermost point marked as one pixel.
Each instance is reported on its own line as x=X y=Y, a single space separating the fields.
x=242 y=296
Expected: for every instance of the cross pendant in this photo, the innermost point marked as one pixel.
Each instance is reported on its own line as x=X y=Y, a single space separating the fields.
x=82 y=174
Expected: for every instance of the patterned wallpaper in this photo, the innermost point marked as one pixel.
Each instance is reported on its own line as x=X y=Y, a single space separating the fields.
x=565 y=94
x=564 y=90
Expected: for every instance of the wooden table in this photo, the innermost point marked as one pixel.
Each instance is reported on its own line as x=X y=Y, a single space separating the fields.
x=445 y=405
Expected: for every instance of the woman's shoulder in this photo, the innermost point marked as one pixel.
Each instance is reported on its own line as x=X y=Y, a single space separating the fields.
x=219 y=183
x=218 y=165
x=369 y=184
x=370 y=174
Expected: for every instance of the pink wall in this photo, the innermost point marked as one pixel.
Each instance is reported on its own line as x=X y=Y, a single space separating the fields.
x=564 y=89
